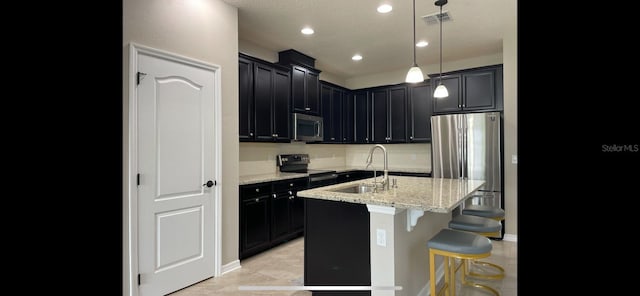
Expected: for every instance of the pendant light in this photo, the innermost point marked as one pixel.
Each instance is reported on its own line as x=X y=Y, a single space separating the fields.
x=441 y=91
x=415 y=74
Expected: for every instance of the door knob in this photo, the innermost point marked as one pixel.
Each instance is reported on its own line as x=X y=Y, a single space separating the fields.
x=209 y=183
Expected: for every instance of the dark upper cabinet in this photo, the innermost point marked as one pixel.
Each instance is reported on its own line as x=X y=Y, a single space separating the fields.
x=245 y=103
x=419 y=112
x=305 y=90
x=333 y=112
x=348 y=106
x=281 y=103
x=264 y=101
x=389 y=114
x=305 y=81
x=362 y=117
x=478 y=89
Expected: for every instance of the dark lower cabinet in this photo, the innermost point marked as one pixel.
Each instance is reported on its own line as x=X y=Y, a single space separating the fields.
x=254 y=219
x=336 y=246
x=270 y=214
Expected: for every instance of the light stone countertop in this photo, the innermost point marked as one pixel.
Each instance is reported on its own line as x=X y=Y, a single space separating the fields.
x=252 y=179
x=259 y=178
x=428 y=194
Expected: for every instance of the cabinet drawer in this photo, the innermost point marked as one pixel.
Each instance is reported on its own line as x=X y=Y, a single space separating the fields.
x=251 y=191
x=291 y=184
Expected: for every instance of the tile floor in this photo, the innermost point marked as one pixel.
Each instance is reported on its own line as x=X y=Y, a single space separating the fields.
x=283 y=266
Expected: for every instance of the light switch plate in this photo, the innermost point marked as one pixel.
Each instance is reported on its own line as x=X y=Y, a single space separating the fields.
x=514 y=159
x=381 y=237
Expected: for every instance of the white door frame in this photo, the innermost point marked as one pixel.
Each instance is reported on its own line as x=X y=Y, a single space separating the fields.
x=130 y=203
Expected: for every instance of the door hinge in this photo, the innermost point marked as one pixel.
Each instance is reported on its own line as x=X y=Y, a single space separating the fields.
x=138 y=279
x=140 y=76
x=138 y=179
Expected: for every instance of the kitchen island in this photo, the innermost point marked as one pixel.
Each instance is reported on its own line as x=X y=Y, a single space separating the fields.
x=377 y=238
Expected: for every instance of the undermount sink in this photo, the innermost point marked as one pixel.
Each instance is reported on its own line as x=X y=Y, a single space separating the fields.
x=359 y=188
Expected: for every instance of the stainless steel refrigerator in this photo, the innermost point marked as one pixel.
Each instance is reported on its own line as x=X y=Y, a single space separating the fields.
x=470 y=146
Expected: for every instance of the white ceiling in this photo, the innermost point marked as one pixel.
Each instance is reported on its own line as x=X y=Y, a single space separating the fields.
x=345 y=27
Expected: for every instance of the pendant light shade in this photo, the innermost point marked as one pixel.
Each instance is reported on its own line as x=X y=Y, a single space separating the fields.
x=441 y=91
x=415 y=74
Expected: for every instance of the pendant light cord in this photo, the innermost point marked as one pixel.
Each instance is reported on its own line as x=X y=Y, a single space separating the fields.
x=414 y=33
x=440 y=18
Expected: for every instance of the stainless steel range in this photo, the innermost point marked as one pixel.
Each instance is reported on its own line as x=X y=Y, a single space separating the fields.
x=299 y=163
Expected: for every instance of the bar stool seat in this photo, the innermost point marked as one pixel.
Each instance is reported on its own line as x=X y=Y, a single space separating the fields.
x=484 y=211
x=482 y=226
x=456 y=244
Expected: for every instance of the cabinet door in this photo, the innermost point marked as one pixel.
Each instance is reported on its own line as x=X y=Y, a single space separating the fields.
x=347 y=117
x=279 y=216
x=479 y=90
x=451 y=103
x=312 y=80
x=336 y=115
x=296 y=207
x=325 y=94
x=419 y=117
x=254 y=223
x=361 y=117
x=297 y=88
x=398 y=114
x=281 y=100
x=245 y=99
x=379 y=112
x=263 y=92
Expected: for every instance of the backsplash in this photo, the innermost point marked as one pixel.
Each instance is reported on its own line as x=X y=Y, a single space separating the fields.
x=401 y=156
x=260 y=158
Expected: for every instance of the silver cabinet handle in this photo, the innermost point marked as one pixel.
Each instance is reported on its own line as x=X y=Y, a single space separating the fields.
x=290 y=184
x=257 y=199
x=257 y=189
x=290 y=193
x=274 y=195
x=307 y=108
x=333 y=139
x=411 y=137
x=250 y=134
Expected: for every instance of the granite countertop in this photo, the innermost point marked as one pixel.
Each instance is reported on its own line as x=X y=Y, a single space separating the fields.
x=277 y=176
x=427 y=194
x=377 y=168
x=252 y=179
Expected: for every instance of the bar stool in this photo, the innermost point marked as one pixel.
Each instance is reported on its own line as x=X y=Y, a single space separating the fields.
x=484 y=211
x=456 y=244
x=482 y=226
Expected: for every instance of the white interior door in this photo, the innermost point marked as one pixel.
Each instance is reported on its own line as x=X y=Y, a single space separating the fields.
x=175 y=158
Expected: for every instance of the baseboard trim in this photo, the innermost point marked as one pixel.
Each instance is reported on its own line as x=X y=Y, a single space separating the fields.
x=510 y=237
x=426 y=290
x=231 y=266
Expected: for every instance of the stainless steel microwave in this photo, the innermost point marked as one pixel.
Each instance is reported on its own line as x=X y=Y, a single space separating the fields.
x=307 y=128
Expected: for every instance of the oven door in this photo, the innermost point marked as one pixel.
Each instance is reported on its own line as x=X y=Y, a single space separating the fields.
x=325 y=179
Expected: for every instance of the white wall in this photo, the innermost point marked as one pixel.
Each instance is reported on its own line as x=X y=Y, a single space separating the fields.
x=206 y=31
x=398 y=76
x=510 y=63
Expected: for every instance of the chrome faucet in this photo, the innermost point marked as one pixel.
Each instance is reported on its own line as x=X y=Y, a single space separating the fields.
x=385 y=182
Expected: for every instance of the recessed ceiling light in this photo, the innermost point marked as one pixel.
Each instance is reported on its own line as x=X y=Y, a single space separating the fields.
x=356 y=57
x=384 y=8
x=422 y=43
x=307 y=31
